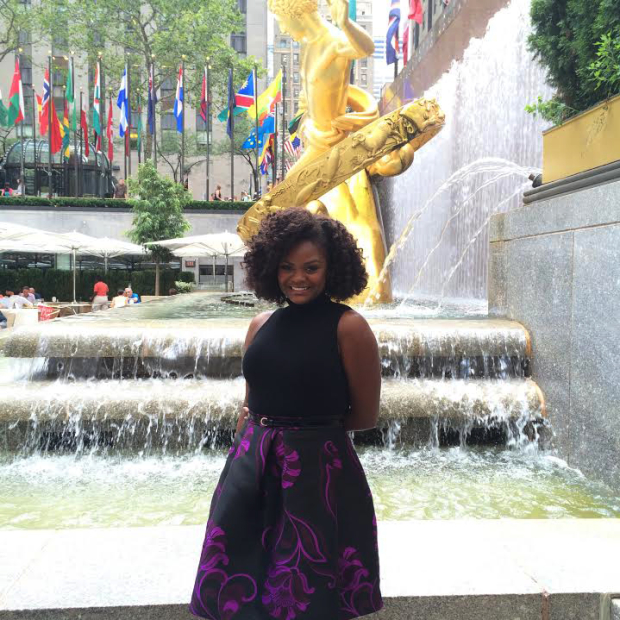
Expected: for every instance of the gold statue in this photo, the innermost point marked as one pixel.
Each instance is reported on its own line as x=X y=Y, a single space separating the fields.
x=338 y=172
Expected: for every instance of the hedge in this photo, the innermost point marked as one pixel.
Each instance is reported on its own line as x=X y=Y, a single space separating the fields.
x=59 y=282
x=107 y=203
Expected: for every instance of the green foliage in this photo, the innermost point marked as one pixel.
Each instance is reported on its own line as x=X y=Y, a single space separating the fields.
x=218 y=205
x=15 y=19
x=570 y=39
x=184 y=287
x=59 y=283
x=158 y=214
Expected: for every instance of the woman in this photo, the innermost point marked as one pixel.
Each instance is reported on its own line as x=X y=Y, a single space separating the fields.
x=292 y=530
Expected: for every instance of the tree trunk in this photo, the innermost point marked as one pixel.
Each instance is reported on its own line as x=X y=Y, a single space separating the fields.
x=157 y=276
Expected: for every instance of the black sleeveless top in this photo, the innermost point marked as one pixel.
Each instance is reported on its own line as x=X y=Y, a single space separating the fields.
x=293 y=366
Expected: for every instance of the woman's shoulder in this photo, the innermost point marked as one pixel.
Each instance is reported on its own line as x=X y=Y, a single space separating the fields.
x=255 y=324
x=351 y=324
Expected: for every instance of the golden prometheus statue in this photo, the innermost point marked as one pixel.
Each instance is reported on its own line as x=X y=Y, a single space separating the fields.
x=345 y=141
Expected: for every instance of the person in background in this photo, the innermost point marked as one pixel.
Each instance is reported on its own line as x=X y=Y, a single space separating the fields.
x=186 y=184
x=100 y=297
x=172 y=291
x=28 y=295
x=217 y=194
x=37 y=296
x=21 y=187
x=7 y=191
x=120 y=301
x=19 y=302
x=120 y=191
x=132 y=298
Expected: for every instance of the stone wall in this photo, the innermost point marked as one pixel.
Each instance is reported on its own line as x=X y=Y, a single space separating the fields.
x=554 y=266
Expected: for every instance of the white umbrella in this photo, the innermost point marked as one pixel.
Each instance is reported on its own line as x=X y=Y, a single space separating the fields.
x=214 y=244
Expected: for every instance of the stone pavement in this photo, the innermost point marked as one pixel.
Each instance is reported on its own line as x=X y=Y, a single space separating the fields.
x=565 y=569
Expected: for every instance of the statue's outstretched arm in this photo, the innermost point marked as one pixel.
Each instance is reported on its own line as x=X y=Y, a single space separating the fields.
x=360 y=43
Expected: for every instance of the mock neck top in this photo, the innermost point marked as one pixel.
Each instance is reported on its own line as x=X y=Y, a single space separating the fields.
x=293 y=366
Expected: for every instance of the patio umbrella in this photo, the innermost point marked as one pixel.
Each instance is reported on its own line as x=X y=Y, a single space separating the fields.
x=215 y=244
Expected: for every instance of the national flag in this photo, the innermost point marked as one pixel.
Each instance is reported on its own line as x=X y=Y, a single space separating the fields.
x=96 y=109
x=267 y=155
x=391 y=42
x=205 y=97
x=245 y=97
x=293 y=146
x=122 y=103
x=178 y=101
x=416 y=11
x=70 y=98
x=44 y=110
x=231 y=105
x=268 y=127
x=56 y=131
x=4 y=113
x=66 y=140
x=16 y=98
x=152 y=102
x=267 y=100
x=84 y=126
x=110 y=133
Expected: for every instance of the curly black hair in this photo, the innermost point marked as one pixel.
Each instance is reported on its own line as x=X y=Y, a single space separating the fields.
x=281 y=231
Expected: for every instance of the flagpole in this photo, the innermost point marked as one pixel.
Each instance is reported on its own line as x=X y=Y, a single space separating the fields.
x=34 y=143
x=75 y=151
x=18 y=58
x=183 y=120
x=151 y=96
x=232 y=145
x=49 y=122
x=138 y=102
x=81 y=144
x=208 y=96
x=128 y=134
x=274 y=167
x=283 y=118
x=102 y=124
x=256 y=123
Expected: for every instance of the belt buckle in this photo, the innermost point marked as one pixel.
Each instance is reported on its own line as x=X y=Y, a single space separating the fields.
x=263 y=421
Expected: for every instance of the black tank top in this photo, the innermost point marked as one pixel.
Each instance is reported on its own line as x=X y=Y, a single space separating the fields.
x=293 y=366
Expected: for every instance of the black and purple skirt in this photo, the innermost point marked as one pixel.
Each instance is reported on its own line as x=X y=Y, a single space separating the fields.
x=292 y=532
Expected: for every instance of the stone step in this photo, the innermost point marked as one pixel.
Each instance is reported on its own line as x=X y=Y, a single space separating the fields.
x=438 y=347
x=556 y=569
x=182 y=413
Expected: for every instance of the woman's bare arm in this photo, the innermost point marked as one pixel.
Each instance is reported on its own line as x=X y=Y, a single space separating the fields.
x=360 y=357
x=255 y=324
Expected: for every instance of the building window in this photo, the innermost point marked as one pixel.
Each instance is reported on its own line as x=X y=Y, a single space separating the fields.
x=168 y=121
x=364 y=63
x=296 y=58
x=26 y=69
x=167 y=93
x=202 y=125
x=296 y=77
x=284 y=42
x=364 y=79
x=238 y=43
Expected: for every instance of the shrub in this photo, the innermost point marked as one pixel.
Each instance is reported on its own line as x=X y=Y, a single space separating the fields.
x=575 y=41
x=184 y=287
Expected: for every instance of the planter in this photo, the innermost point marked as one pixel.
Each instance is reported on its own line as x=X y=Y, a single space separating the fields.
x=588 y=140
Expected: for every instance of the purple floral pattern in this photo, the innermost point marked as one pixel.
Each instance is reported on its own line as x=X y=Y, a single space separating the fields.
x=299 y=515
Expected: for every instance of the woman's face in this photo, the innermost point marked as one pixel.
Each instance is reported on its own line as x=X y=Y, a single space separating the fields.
x=302 y=272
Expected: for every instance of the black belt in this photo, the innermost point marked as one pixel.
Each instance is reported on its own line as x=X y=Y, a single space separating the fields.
x=299 y=422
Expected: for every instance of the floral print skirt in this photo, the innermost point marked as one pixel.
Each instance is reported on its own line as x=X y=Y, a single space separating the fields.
x=292 y=532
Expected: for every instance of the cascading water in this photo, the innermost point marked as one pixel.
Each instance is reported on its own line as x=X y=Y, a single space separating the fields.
x=438 y=211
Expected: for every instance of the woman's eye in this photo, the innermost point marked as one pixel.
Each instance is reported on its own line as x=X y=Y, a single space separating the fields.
x=311 y=269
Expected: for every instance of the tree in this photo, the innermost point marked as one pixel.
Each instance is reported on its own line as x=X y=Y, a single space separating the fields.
x=158 y=214
x=136 y=31
x=15 y=20
x=568 y=38
x=169 y=149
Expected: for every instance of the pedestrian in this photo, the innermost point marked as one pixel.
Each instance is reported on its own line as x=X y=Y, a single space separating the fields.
x=120 y=191
x=100 y=297
x=7 y=191
x=21 y=187
x=217 y=194
x=292 y=520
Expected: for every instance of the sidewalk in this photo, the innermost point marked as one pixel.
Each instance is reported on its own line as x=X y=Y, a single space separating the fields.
x=431 y=570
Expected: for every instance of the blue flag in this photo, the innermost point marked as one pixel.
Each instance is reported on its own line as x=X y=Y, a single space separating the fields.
x=152 y=101
x=123 y=105
x=391 y=41
x=178 y=102
x=230 y=123
x=267 y=128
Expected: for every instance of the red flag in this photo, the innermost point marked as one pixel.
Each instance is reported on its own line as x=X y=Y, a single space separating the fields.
x=56 y=136
x=203 y=97
x=416 y=11
x=110 y=133
x=406 y=44
x=43 y=112
x=16 y=98
x=84 y=126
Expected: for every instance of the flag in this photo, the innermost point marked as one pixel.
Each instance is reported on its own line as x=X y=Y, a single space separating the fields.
x=110 y=133
x=245 y=97
x=56 y=131
x=71 y=98
x=416 y=11
x=44 y=111
x=391 y=42
x=293 y=146
x=16 y=98
x=267 y=100
x=122 y=103
x=268 y=127
x=96 y=110
x=84 y=126
x=204 y=98
x=4 y=113
x=267 y=155
x=178 y=102
x=231 y=105
x=152 y=101
x=65 y=136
